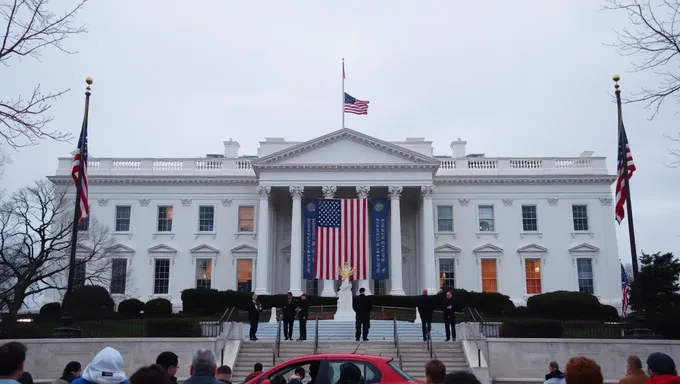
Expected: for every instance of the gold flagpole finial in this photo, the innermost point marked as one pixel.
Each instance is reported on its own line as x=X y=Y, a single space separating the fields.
x=616 y=79
x=89 y=80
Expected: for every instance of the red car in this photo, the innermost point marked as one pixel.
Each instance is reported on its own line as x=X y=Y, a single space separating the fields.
x=325 y=369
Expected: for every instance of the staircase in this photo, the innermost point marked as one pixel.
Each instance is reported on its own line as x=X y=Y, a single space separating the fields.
x=261 y=352
x=414 y=355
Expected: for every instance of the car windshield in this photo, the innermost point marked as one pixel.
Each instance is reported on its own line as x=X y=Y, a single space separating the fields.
x=399 y=372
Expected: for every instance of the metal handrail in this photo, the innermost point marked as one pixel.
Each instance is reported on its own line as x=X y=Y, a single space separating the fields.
x=278 y=338
x=396 y=340
x=316 y=336
x=474 y=335
x=430 y=345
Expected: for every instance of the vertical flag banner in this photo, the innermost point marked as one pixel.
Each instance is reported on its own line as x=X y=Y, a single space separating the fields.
x=341 y=237
x=621 y=187
x=625 y=289
x=309 y=236
x=379 y=240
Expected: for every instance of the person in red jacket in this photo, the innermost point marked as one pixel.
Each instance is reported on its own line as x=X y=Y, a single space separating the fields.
x=661 y=369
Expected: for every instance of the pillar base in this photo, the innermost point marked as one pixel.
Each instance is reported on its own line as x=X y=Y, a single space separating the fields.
x=328 y=288
x=261 y=291
x=397 y=292
x=296 y=292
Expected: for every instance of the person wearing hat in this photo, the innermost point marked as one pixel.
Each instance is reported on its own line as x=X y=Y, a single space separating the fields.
x=661 y=369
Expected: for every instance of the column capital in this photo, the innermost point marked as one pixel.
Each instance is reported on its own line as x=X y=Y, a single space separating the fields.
x=296 y=191
x=264 y=191
x=363 y=191
x=427 y=191
x=329 y=191
x=395 y=191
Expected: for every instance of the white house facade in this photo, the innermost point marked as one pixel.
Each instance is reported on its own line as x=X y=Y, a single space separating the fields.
x=519 y=226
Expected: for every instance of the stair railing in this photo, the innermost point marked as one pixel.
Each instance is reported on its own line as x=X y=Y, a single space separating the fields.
x=396 y=340
x=277 y=345
x=478 y=318
x=316 y=336
x=430 y=344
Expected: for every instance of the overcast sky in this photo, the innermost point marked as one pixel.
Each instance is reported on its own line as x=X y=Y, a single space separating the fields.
x=521 y=78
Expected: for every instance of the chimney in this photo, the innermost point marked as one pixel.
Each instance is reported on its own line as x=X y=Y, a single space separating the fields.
x=458 y=148
x=231 y=149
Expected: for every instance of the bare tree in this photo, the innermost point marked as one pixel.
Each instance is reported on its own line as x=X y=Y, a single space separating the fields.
x=35 y=240
x=30 y=28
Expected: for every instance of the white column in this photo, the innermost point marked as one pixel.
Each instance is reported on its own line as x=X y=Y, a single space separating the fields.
x=427 y=255
x=296 y=242
x=396 y=275
x=262 y=263
x=362 y=192
x=328 y=285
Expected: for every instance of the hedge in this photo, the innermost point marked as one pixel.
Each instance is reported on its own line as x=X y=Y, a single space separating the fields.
x=565 y=305
x=131 y=308
x=531 y=328
x=158 y=307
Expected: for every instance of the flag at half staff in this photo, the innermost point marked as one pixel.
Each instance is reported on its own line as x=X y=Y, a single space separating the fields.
x=356 y=106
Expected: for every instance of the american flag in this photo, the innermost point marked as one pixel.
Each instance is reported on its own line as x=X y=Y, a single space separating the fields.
x=355 y=106
x=79 y=164
x=341 y=237
x=625 y=289
x=619 y=213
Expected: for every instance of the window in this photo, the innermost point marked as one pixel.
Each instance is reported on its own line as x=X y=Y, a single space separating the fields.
x=80 y=273
x=380 y=287
x=529 y=218
x=584 y=269
x=203 y=273
x=165 y=215
x=444 y=218
x=161 y=277
x=123 y=214
x=312 y=287
x=486 y=222
x=246 y=219
x=489 y=283
x=244 y=275
x=118 y=276
x=206 y=218
x=447 y=274
x=369 y=372
x=580 y=216
x=532 y=274
x=84 y=224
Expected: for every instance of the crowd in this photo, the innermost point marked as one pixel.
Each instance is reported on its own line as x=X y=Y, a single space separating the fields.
x=107 y=368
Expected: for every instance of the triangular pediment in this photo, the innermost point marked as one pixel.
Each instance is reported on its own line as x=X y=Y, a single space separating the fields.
x=584 y=248
x=532 y=248
x=345 y=147
x=120 y=248
x=447 y=248
x=204 y=248
x=162 y=248
x=488 y=248
x=244 y=248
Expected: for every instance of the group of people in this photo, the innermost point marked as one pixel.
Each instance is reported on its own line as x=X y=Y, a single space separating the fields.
x=582 y=370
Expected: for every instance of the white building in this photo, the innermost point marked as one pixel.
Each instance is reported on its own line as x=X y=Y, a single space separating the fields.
x=519 y=226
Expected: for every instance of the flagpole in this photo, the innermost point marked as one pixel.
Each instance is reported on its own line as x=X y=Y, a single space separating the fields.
x=343 y=92
x=66 y=329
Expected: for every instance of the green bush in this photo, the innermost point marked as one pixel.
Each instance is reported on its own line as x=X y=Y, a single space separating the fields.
x=131 y=307
x=531 y=328
x=158 y=307
x=173 y=327
x=91 y=301
x=50 y=311
x=565 y=305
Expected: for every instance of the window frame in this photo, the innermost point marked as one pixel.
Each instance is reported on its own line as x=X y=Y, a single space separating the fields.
x=573 y=219
x=480 y=260
x=384 y=289
x=541 y=262
x=535 y=206
x=158 y=219
x=479 y=220
x=437 y=218
x=127 y=266
x=153 y=280
x=592 y=270
x=253 y=278
x=196 y=260
x=238 y=219
x=373 y=368
x=455 y=259
x=115 y=219
x=214 y=219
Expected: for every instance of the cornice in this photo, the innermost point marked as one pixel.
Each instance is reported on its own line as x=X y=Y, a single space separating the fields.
x=536 y=180
x=344 y=167
x=156 y=180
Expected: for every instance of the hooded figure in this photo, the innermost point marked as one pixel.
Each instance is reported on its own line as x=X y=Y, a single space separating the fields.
x=105 y=368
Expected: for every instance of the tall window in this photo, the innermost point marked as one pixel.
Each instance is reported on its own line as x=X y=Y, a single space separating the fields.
x=489 y=282
x=165 y=216
x=486 y=219
x=84 y=224
x=80 y=273
x=532 y=273
x=584 y=269
x=203 y=273
x=161 y=277
x=312 y=287
x=244 y=275
x=206 y=218
x=444 y=218
x=246 y=219
x=123 y=215
x=580 y=215
x=118 y=276
x=529 y=218
x=447 y=274
x=380 y=287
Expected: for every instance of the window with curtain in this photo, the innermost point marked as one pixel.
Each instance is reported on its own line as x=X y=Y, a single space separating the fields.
x=246 y=218
x=532 y=271
x=486 y=218
x=447 y=274
x=244 y=275
x=203 y=273
x=489 y=276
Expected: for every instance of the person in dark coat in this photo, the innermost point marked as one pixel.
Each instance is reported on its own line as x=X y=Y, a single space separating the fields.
x=303 y=313
x=254 y=309
x=425 y=309
x=72 y=371
x=449 y=318
x=362 y=308
x=289 y=310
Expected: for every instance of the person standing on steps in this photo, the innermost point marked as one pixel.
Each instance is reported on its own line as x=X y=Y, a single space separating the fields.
x=362 y=308
x=289 y=310
x=425 y=309
x=303 y=313
x=449 y=316
x=254 y=309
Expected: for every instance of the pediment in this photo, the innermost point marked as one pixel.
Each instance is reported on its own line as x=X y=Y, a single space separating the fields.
x=447 y=248
x=584 y=248
x=244 y=248
x=120 y=248
x=204 y=248
x=162 y=248
x=532 y=248
x=488 y=248
x=345 y=147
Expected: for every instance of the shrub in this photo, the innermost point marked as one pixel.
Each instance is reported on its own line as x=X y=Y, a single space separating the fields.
x=203 y=301
x=91 y=301
x=564 y=305
x=173 y=327
x=534 y=328
x=50 y=311
x=158 y=307
x=131 y=307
